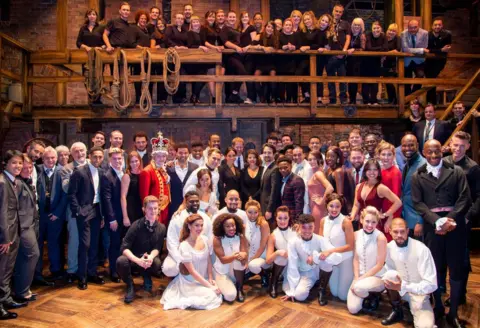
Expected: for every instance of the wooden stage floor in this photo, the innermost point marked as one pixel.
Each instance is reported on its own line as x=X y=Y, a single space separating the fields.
x=102 y=306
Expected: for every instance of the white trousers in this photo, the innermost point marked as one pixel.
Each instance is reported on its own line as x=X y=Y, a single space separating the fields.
x=256 y=265
x=362 y=288
x=226 y=286
x=170 y=267
x=421 y=310
x=341 y=279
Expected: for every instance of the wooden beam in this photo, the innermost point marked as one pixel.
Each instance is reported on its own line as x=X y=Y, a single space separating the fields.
x=14 y=43
x=218 y=91
x=475 y=140
x=464 y=122
x=265 y=10
x=62 y=27
x=401 y=65
x=426 y=14
x=235 y=6
x=10 y=75
x=25 y=89
x=94 y=4
x=460 y=94
x=313 y=86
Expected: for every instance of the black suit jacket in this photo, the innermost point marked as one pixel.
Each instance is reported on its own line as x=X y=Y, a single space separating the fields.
x=58 y=203
x=81 y=192
x=227 y=181
x=27 y=213
x=176 y=187
x=270 y=189
x=9 y=208
x=146 y=159
x=441 y=131
x=111 y=187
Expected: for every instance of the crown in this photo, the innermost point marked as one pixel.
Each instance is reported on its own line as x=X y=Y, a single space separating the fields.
x=159 y=144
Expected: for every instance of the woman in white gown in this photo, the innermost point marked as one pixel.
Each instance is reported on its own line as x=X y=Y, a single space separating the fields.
x=208 y=198
x=277 y=245
x=338 y=229
x=257 y=232
x=368 y=263
x=196 y=288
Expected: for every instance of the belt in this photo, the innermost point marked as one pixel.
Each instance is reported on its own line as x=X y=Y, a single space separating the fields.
x=442 y=209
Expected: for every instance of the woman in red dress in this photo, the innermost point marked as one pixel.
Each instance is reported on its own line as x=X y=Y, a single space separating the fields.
x=372 y=192
x=391 y=175
x=154 y=179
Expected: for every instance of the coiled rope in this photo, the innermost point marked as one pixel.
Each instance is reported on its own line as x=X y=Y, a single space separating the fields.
x=146 y=104
x=171 y=78
x=120 y=87
x=92 y=83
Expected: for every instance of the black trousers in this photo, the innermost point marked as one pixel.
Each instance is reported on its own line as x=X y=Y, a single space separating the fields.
x=371 y=68
x=7 y=263
x=419 y=70
x=391 y=92
x=115 y=243
x=88 y=237
x=336 y=67
x=354 y=68
x=287 y=91
x=433 y=68
x=196 y=69
x=125 y=266
x=236 y=66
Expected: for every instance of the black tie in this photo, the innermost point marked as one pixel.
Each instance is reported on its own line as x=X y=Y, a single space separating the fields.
x=413 y=41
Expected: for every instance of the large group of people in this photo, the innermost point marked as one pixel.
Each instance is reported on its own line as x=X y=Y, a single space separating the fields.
x=357 y=218
x=219 y=30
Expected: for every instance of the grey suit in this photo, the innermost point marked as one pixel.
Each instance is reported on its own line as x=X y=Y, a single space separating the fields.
x=9 y=209
x=28 y=252
x=415 y=45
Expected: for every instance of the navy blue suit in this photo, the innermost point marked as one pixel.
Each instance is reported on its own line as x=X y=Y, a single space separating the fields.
x=54 y=205
x=176 y=187
x=81 y=195
x=110 y=185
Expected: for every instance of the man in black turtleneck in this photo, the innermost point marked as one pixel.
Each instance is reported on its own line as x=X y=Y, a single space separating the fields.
x=459 y=146
x=187 y=14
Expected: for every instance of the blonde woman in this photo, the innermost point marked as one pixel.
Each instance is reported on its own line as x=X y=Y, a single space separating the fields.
x=296 y=16
x=308 y=32
x=354 y=64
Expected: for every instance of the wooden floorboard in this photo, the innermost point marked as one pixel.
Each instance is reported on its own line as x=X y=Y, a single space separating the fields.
x=102 y=306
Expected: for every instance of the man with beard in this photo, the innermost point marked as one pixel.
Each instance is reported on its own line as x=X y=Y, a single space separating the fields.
x=213 y=161
x=459 y=145
x=35 y=151
x=344 y=146
x=441 y=196
x=292 y=188
x=140 y=141
x=410 y=276
x=214 y=141
x=371 y=143
x=179 y=173
x=192 y=204
x=232 y=202
x=187 y=14
x=269 y=193
x=414 y=161
x=357 y=158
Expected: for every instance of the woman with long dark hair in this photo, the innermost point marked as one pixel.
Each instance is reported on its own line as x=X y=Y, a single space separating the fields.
x=338 y=176
x=91 y=33
x=142 y=40
x=210 y=35
x=158 y=41
x=129 y=197
x=229 y=175
x=197 y=289
x=250 y=178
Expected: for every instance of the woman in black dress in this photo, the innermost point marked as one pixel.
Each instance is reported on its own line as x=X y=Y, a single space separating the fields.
x=354 y=63
x=142 y=40
x=376 y=41
x=248 y=33
x=251 y=177
x=288 y=41
x=389 y=64
x=176 y=36
x=158 y=41
x=210 y=36
x=196 y=40
x=130 y=196
x=229 y=175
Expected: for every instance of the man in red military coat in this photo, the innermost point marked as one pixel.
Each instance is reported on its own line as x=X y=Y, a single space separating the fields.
x=154 y=179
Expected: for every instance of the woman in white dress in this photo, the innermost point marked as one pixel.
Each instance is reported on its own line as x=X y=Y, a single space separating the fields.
x=338 y=229
x=231 y=250
x=196 y=288
x=277 y=253
x=208 y=198
x=368 y=264
x=257 y=232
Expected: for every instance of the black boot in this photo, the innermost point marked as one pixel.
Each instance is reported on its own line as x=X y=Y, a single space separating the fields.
x=397 y=312
x=456 y=287
x=130 y=294
x=322 y=289
x=265 y=277
x=371 y=302
x=239 y=278
x=276 y=272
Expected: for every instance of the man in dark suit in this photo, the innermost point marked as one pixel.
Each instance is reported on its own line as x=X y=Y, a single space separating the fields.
x=179 y=174
x=116 y=141
x=28 y=252
x=441 y=196
x=52 y=207
x=10 y=187
x=431 y=128
x=84 y=197
x=269 y=190
x=140 y=141
x=110 y=185
x=292 y=188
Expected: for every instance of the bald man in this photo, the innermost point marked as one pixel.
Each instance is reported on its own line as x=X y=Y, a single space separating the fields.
x=414 y=41
x=233 y=206
x=410 y=276
x=440 y=194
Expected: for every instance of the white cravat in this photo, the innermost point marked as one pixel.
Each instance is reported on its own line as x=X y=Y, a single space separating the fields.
x=435 y=170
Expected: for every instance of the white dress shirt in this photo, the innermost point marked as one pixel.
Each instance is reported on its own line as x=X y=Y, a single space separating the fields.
x=96 y=182
x=181 y=172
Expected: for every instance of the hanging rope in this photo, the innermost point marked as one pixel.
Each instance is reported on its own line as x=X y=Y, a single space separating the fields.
x=146 y=104
x=92 y=82
x=171 y=78
x=374 y=5
x=120 y=86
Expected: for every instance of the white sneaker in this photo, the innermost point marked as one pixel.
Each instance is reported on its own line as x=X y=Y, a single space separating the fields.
x=248 y=101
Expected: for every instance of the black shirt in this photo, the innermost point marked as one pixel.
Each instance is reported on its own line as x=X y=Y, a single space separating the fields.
x=245 y=37
x=195 y=40
x=91 y=39
x=356 y=41
x=436 y=43
x=142 y=37
x=337 y=40
x=375 y=44
x=209 y=35
x=139 y=240
x=176 y=37
x=159 y=38
x=121 y=33
x=310 y=38
x=393 y=44
x=293 y=39
x=229 y=34
x=151 y=27
x=186 y=25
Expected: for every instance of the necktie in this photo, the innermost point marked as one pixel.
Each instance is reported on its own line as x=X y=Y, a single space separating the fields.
x=238 y=163
x=48 y=172
x=297 y=169
x=357 y=177
x=427 y=131
x=413 y=41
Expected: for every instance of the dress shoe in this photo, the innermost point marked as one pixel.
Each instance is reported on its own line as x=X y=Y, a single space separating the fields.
x=454 y=322
x=96 y=280
x=14 y=305
x=19 y=299
x=130 y=294
x=6 y=315
x=463 y=301
x=42 y=282
x=82 y=284
x=71 y=277
x=438 y=314
x=56 y=276
x=115 y=279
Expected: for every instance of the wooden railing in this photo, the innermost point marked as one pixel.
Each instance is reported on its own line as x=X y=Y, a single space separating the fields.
x=193 y=56
x=460 y=94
